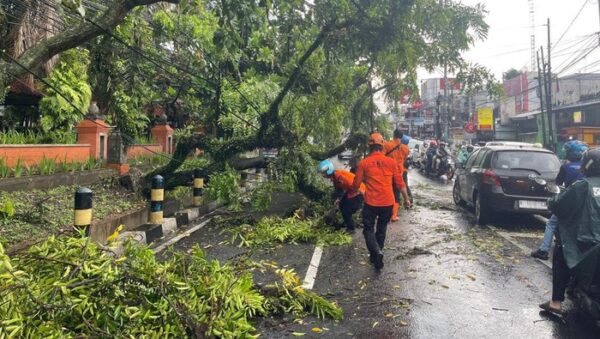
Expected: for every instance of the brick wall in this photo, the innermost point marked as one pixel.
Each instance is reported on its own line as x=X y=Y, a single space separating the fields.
x=135 y=151
x=33 y=154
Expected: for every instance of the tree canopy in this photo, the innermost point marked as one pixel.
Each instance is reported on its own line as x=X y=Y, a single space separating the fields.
x=278 y=73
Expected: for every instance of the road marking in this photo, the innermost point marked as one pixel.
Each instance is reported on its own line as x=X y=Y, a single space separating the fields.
x=180 y=236
x=311 y=273
x=526 y=251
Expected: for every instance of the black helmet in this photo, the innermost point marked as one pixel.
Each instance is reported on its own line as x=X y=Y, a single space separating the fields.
x=470 y=148
x=590 y=163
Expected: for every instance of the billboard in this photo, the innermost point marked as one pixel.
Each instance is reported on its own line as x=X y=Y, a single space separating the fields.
x=485 y=119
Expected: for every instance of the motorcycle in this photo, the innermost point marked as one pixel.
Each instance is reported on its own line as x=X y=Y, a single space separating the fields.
x=585 y=285
x=446 y=168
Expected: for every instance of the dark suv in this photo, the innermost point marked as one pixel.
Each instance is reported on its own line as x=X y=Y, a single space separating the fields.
x=508 y=179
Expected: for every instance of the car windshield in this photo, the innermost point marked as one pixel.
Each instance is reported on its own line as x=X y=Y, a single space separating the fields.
x=526 y=160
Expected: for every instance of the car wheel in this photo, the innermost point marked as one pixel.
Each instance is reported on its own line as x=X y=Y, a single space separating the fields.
x=456 y=195
x=482 y=211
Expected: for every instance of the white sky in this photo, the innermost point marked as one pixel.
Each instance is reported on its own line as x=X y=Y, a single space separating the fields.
x=508 y=42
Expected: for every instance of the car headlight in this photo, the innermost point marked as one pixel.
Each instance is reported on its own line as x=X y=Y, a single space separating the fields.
x=552 y=188
x=540 y=181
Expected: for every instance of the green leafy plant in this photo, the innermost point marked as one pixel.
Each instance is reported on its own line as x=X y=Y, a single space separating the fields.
x=223 y=187
x=7 y=209
x=262 y=195
x=270 y=231
x=47 y=166
x=4 y=169
x=59 y=115
x=29 y=170
x=18 y=169
x=79 y=290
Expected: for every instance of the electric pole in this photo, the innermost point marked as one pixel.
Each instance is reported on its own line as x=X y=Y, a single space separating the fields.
x=551 y=118
x=541 y=86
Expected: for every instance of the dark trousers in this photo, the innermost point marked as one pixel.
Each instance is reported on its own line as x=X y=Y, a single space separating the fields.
x=375 y=220
x=405 y=177
x=560 y=274
x=348 y=207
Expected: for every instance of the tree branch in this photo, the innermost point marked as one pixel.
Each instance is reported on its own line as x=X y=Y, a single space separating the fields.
x=70 y=38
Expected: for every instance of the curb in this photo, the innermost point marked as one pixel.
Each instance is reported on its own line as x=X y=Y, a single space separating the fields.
x=150 y=233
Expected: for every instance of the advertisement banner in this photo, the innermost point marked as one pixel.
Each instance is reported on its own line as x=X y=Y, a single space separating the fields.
x=577 y=117
x=485 y=119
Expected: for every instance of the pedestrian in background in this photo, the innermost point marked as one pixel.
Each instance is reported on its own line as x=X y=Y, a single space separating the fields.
x=380 y=174
x=398 y=151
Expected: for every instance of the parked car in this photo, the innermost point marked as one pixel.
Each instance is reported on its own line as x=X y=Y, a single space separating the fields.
x=516 y=179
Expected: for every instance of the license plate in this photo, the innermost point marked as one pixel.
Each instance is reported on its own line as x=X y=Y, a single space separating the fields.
x=533 y=205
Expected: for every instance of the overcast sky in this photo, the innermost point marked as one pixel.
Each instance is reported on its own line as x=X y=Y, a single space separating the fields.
x=508 y=42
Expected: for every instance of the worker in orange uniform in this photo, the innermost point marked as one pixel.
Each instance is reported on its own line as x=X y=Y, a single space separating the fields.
x=398 y=151
x=349 y=200
x=380 y=174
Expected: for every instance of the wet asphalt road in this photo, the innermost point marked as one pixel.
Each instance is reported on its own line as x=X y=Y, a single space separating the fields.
x=444 y=277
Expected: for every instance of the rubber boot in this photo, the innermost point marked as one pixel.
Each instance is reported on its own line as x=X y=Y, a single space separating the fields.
x=395 y=212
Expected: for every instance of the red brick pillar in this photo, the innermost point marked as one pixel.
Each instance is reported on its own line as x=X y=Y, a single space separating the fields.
x=163 y=134
x=94 y=133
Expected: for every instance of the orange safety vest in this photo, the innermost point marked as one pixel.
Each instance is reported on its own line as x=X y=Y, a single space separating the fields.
x=343 y=180
x=379 y=173
x=397 y=151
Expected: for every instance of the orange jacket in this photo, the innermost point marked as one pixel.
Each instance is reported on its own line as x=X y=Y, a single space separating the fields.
x=397 y=151
x=343 y=180
x=379 y=173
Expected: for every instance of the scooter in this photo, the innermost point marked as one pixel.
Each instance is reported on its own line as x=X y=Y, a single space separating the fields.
x=446 y=168
x=585 y=291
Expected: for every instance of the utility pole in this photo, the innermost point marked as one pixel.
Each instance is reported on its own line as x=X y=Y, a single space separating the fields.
x=546 y=93
x=540 y=86
x=446 y=114
x=551 y=118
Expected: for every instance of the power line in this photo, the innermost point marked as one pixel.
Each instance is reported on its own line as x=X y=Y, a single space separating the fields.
x=572 y=22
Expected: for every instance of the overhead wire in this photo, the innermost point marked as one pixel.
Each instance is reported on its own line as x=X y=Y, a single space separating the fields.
x=585 y=2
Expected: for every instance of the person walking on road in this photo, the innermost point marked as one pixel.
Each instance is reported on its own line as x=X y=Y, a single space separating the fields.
x=398 y=151
x=568 y=174
x=348 y=199
x=578 y=232
x=380 y=174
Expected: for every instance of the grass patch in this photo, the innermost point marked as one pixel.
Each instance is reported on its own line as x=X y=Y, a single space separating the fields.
x=40 y=213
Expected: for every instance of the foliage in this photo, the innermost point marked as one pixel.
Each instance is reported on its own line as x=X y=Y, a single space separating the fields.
x=270 y=231
x=18 y=169
x=261 y=196
x=223 y=187
x=294 y=299
x=30 y=137
x=70 y=78
x=47 y=166
x=71 y=287
x=7 y=209
x=4 y=169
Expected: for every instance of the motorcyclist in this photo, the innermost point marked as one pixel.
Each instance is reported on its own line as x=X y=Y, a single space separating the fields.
x=431 y=151
x=439 y=156
x=465 y=153
x=349 y=201
x=578 y=231
x=568 y=174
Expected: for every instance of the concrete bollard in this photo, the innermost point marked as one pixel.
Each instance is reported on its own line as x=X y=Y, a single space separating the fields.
x=198 y=190
x=83 y=209
x=157 y=197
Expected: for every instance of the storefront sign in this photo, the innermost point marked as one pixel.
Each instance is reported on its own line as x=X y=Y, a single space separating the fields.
x=485 y=119
x=577 y=117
